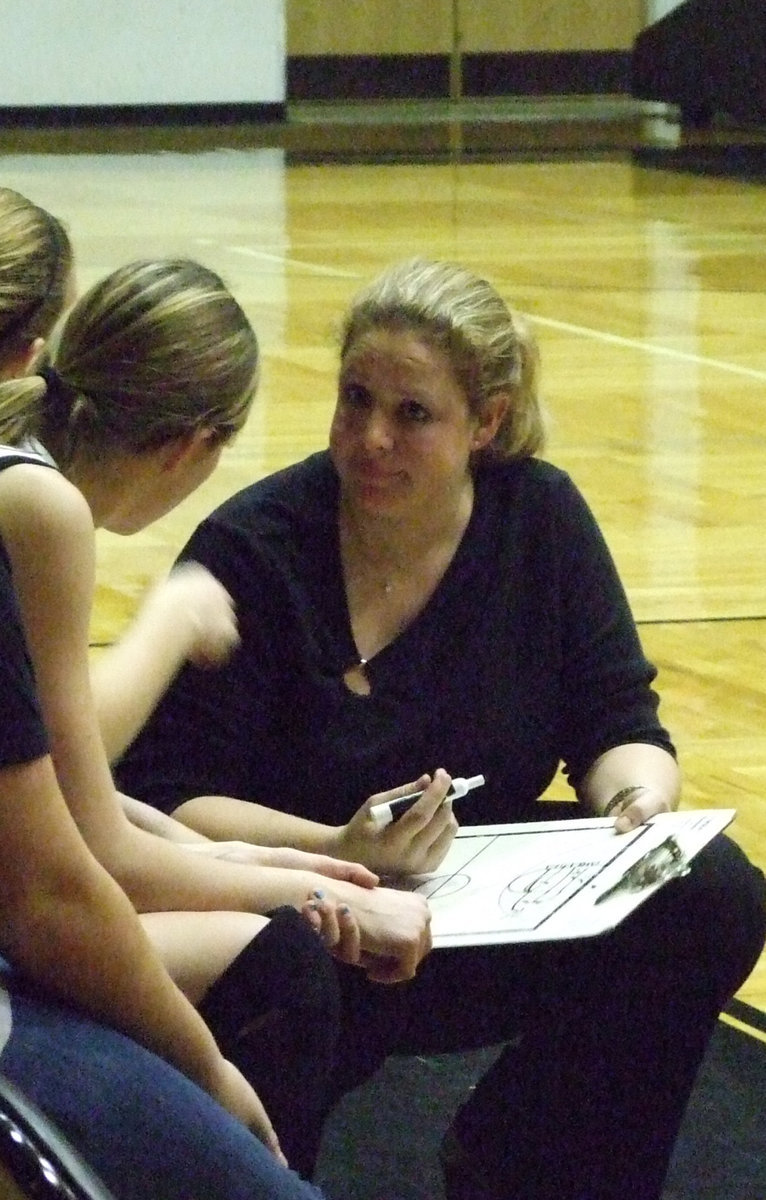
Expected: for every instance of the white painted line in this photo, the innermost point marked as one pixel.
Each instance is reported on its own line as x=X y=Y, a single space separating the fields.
x=650 y=347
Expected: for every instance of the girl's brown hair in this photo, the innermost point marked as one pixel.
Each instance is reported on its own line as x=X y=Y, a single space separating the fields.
x=35 y=269
x=155 y=350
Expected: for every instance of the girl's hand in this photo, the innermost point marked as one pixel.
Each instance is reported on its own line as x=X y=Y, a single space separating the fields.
x=395 y=930
x=385 y=930
x=192 y=598
x=414 y=844
x=336 y=925
x=230 y=1088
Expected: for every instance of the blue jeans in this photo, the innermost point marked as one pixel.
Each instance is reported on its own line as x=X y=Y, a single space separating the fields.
x=141 y=1125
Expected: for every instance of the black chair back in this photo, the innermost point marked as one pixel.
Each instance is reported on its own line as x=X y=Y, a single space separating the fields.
x=36 y=1159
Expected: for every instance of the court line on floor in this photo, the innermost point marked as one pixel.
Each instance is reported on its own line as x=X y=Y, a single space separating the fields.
x=745 y=1017
x=726 y=619
x=286 y=261
x=755 y=1034
x=650 y=347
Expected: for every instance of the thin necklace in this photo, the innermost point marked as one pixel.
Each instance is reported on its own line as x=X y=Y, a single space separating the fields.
x=388 y=584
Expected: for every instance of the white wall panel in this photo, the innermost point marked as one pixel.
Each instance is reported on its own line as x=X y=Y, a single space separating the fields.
x=59 y=52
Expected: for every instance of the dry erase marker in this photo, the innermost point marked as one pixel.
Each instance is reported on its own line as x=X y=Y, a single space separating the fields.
x=384 y=814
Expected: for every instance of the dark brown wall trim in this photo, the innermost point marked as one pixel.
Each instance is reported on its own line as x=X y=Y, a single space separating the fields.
x=426 y=76
x=367 y=77
x=58 y=117
x=565 y=72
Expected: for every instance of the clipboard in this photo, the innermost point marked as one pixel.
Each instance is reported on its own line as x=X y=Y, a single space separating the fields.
x=541 y=881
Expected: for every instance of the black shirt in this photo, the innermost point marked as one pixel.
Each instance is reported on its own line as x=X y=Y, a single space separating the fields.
x=526 y=655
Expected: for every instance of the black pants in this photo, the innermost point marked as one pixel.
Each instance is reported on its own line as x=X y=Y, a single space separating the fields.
x=605 y=1036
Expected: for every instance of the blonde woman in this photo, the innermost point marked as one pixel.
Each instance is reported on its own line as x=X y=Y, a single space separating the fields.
x=430 y=590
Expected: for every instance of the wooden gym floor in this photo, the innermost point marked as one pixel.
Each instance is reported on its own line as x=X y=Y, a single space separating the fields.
x=647 y=287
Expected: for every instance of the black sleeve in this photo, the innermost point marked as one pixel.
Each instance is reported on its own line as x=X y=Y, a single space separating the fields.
x=200 y=739
x=609 y=697
x=22 y=734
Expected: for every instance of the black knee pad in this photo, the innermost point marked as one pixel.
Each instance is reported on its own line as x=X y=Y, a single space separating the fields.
x=275 y=1013
x=284 y=968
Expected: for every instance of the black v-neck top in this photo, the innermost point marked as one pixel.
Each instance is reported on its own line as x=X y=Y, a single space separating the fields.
x=526 y=655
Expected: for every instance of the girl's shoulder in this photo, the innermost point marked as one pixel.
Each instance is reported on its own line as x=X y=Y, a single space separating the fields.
x=34 y=499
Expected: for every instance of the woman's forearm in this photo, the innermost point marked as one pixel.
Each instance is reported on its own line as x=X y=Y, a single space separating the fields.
x=224 y=818
x=636 y=773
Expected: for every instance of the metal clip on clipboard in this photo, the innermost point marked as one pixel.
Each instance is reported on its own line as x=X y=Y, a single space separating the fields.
x=658 y=865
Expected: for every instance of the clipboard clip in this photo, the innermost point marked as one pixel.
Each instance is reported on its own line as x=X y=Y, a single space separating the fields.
x=658 y=865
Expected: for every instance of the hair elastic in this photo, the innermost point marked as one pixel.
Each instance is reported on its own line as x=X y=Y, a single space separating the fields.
x=60 y=393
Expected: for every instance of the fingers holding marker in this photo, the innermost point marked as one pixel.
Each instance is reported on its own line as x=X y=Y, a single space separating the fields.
x=394 y=810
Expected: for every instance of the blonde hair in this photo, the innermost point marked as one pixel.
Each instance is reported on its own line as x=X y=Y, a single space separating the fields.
x=491 y=348
x=35 y=268
x=155 y=350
